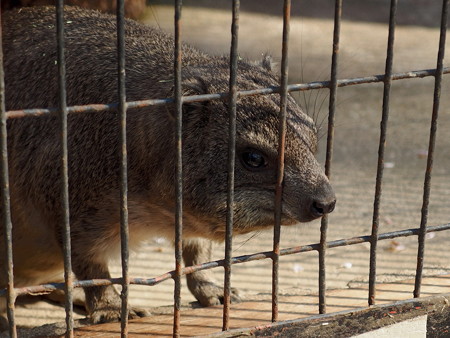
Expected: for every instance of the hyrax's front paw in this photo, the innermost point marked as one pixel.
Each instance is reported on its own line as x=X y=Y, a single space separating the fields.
x=208 y=293
x=201 y=283
x=112 y=314
x=104 y=305
x=3 y=325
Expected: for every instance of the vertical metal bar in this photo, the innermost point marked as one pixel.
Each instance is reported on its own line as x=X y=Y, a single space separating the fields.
x=64 y=169
x=231 y=162
x=179 y=170
x=329 y=155
x=123 y=165
x=280 y=159
x=381 y=147
x=431 y=146
x=5 y=197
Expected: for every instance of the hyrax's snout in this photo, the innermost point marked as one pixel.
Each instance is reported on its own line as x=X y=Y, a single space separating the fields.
x=323 y=200
x=322 y=207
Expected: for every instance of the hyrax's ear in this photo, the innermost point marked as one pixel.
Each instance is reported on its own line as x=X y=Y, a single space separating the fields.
x=195 y=114
x=268 y=63
x=194 y=85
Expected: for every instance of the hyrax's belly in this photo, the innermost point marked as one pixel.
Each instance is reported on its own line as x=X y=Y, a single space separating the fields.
x=37 y=257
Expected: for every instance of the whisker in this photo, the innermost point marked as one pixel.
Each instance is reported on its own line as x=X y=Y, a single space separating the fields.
x=320 y=108
x=253 y=235
x=155 y=16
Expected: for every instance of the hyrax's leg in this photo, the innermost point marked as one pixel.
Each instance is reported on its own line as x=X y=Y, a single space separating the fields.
x=3 y=283
x=59 y=296
x=202 y=283
x=102 y=302
x=91 y=249
x=3 y=318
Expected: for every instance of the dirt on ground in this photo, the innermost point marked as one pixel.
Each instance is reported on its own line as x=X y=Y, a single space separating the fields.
x=358 y=115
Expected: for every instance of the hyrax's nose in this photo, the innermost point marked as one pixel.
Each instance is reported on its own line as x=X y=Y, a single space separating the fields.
x=320 y=208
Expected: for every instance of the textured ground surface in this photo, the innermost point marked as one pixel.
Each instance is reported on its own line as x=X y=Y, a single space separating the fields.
x=355 y=156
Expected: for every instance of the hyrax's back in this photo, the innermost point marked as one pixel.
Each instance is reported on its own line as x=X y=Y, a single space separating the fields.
x=90 y=42
x=31 y=79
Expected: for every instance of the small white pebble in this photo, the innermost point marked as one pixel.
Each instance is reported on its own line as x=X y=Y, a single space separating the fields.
x=389 y=165
x=347 y=265
x=298 y=268
x=395 y=246
x=159 y=240
x=422 y=153
x=430 y=235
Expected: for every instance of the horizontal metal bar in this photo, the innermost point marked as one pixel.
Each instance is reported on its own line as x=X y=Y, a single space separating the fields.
x=46 y=288
x=92 y=108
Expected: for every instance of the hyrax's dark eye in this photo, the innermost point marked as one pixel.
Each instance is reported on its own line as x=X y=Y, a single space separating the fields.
x=253 y=159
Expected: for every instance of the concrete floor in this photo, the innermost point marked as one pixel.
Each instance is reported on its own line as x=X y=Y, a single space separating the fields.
x=356 y=142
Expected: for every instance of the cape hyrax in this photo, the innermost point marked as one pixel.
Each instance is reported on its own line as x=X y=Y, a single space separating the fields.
x=29 y=45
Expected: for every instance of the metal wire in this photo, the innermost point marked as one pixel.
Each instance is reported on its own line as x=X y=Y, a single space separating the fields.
x=381 y=147
x=91 y=108
x=329 y=153
x=6 y=204
x=221 y=262
x=231 y=163
x=280 y=159
x=124 y=234
x=179 y=170
x=431 y=146
x=65 y=221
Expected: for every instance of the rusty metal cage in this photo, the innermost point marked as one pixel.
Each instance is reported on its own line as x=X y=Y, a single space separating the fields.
x=10 y=293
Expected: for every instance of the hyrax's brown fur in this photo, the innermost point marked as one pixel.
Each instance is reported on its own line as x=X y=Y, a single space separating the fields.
x=29 y=45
